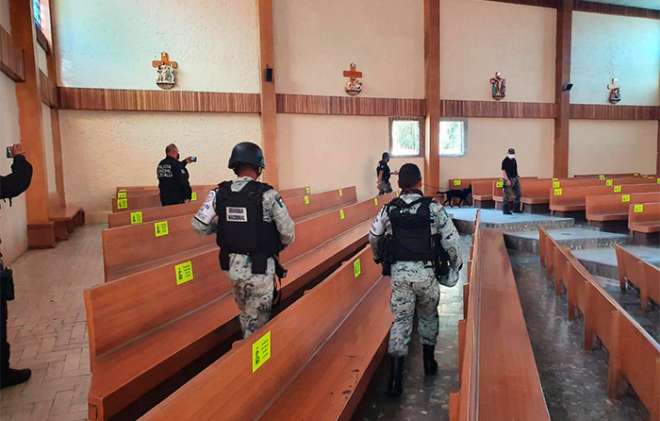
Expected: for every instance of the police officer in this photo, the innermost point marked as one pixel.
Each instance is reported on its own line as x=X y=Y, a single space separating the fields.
x=252 y=225
x=173 y=178
x=11 y=186
x=384 y=173
x=414 y=227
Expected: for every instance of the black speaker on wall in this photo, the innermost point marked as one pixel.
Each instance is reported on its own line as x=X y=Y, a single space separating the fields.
x=268 y=74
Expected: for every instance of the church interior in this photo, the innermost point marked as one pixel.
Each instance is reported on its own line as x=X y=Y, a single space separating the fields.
x=533 y=127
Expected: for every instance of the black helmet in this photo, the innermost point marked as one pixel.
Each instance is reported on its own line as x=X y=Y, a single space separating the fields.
x=247 y=153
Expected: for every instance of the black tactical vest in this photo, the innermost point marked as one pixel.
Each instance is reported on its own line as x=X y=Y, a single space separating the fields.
x=241 y=225
x=411 y=239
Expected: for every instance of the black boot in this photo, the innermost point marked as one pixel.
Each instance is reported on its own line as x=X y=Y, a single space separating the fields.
x=395 y=385
x=505 y=208
x=430 y=365
x=517 y=207
x=13 y=377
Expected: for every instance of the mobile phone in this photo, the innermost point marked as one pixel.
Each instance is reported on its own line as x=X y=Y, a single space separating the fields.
x=10 y=155
x=193 y=159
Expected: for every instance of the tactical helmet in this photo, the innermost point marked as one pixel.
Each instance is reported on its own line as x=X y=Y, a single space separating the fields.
x=247 y=153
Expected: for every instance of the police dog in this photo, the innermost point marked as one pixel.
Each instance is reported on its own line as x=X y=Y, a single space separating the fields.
x=457 y=197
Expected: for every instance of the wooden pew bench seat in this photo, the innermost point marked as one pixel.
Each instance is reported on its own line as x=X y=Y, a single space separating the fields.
x=66 y=219
x=645 y=227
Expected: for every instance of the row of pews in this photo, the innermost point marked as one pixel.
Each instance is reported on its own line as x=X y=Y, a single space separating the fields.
x=633 y=355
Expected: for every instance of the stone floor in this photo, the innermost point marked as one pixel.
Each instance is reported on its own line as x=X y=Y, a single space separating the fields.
x=47 y=329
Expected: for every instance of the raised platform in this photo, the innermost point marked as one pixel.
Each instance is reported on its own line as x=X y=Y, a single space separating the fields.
x=574 y=238
x=464 y=219
x=602 y=261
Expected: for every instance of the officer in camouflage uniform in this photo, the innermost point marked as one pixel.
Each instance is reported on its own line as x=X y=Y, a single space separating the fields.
x=409 y=224
x=252 y=225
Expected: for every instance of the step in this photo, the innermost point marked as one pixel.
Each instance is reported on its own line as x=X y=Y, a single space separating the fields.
x=464 y=219
x=602 y=261
x=574 y=238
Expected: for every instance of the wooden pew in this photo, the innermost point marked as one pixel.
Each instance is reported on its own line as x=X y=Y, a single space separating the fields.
x=323 y=351
x=633 y=354
x=482 y=189
x=146 y=327
x=148 y=198
x=644 y=219
x=573 y=199
x=614 y=207
x=641 y=274
x=534 y=192
x=133 y=248
x=298 y=207
x=498 y=373
x=66 y=219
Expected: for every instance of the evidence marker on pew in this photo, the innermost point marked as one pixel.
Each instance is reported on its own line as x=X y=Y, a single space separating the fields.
x=136 y=218
x=161 y=229
x=261 y=351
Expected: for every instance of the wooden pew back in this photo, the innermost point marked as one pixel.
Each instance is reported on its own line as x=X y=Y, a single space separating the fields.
x=574 y=198
x=151 y=199
x=646 y=213
x=305 y=205
x=293 y=336
x=639 y=273
x=533 y=190
x=611 y=207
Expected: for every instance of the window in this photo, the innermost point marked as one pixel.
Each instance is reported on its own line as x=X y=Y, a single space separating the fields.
x=406 y=137
x=452 y=137
x=41 y=11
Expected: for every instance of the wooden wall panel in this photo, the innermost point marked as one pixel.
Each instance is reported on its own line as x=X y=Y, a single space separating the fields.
x=614 y=112
x=360 y=106
x=47 y=90
x=613 y=9
x=493 y=109
x=149 y=100
x=11 y=57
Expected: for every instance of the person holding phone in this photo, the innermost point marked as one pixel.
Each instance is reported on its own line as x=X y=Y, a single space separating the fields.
x=173 y=177
x=11 y=185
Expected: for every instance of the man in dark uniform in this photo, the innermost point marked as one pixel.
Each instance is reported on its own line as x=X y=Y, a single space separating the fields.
x=383 y=172
x=173 y=178
x=511 y=183
x=11 y=186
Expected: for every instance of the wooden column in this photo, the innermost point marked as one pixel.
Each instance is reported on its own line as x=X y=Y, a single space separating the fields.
x=432 y=94
x=657 y=158
x=41 y=232
x=60 y=198
x=268 y=97
x=562 y=97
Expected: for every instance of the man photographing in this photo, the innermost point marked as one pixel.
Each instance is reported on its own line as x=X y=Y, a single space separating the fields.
x=11 y=186
x=173 y=177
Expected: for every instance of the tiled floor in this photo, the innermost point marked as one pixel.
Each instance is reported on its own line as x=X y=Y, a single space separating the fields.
x=47 y=329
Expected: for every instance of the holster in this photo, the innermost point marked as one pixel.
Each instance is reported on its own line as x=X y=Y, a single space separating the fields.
x=6 y=284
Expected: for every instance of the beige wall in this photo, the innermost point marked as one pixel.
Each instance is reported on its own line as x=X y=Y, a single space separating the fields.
x=613 y=146
x=315 y=41
x=326 y=152
x=606 y=47
x=111 y=44
x=13 y=218
x=479 y=38
x=488 y=140
x=105 y=149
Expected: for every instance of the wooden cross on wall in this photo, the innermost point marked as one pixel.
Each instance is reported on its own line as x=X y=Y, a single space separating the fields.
x=353 y=73
x=164 y=60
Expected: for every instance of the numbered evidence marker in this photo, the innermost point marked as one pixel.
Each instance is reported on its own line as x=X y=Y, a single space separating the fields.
x=625 y=198
x=342 y=215
x=558 y=192
x=357 y=268
x=638 y=208
x=193 y=196
x=499 y=184
x=457 y=183
x=308 y=190
x=161 y=229
x=617 y=189
x=260 y=351
x=136 y=218
x=556 y=184
x=307 y=200
x=121 y=194
x=609 y=182
x=122 y=203
x=657 y=180
x=375 y=201
x=601 y=177
x=184 y=272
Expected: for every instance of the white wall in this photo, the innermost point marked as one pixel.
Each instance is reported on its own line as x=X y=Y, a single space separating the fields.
x=315 y=41
x=13 y=219
x=111 y=44
x=103 y=150
x=479 y=38
x=612 y=147
x=606 y=47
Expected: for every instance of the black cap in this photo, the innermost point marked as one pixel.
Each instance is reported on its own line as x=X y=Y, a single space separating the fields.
x=512 y=151
x=386 y=155
x=409 y=176
x=247 y=153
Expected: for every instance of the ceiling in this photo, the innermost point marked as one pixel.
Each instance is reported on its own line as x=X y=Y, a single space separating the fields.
x=646 y=4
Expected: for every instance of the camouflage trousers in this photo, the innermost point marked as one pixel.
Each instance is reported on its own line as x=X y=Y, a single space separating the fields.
x=253 y=293
x=407 y=297
x=512 y=192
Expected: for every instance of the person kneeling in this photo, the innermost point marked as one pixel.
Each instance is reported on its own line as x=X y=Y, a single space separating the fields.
x=417 y=243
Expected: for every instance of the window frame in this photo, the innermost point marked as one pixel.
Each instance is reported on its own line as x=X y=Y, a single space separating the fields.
x=420 y=122
x=42 y=39
x=465 y=138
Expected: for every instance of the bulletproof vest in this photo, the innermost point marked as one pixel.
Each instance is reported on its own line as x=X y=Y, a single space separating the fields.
x=411 y=239
x=241 y=225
